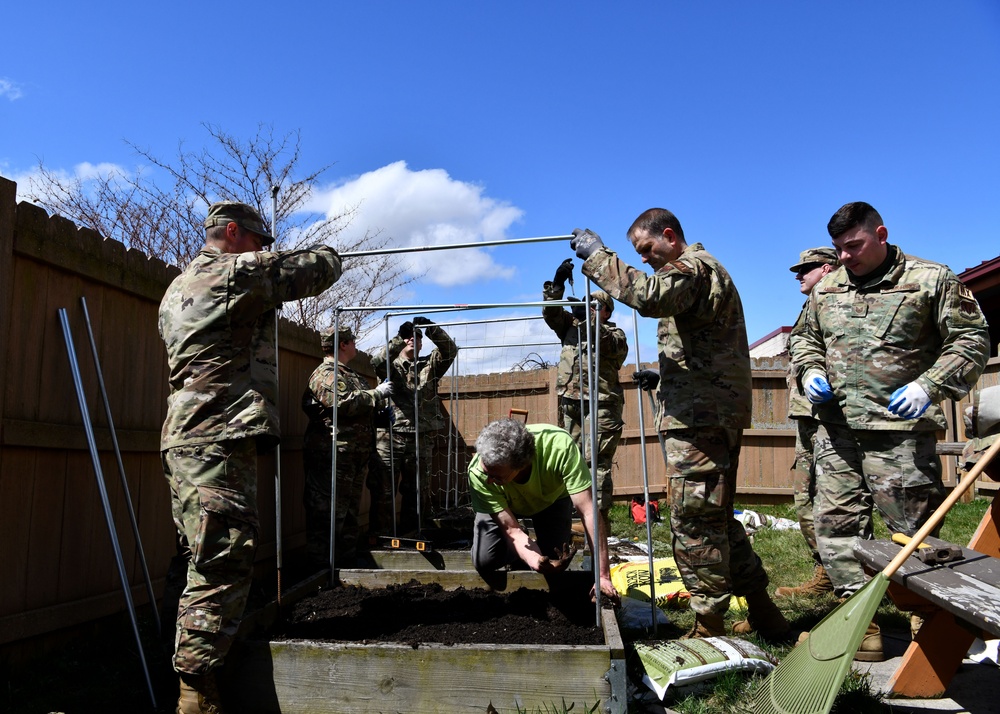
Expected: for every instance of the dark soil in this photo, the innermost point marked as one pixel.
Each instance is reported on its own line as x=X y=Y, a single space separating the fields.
x=416 y=613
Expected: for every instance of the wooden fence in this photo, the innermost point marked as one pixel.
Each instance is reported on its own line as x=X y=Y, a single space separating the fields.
x=60 y=569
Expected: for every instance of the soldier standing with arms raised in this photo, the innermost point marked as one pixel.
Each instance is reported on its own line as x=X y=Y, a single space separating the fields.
x=217 y=320
x=415 y=381
x=571 y=328
x=704 y=405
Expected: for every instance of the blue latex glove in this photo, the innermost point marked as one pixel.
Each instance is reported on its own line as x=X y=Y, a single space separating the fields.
x=910 y=401
x=817 y=388
x=585 y=243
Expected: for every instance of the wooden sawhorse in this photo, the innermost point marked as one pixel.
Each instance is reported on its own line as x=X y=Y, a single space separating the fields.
x=961 y=600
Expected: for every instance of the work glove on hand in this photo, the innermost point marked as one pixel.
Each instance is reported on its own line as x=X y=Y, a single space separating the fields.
x=421 y=321
x=817 y=388
x=384 y=389
x=982 y=417
x=406 y=330
x=579 y=311
x=647 y=379
x=585 y=243
x=909 y=401
x=563 y=273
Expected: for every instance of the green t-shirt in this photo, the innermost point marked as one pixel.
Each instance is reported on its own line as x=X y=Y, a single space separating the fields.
x=558 y=470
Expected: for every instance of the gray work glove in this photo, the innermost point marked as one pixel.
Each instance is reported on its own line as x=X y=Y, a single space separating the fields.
x=982 y=419
x=563 y=273
x=647 y=379
x=384 y=389
x=585 y=243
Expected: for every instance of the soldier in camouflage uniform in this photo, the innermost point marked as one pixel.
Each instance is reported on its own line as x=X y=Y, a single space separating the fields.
x=356 y=405
x=885 y=338
x=217 y=320
x=415 y=381
x=704 y=404
x=814 y=264
x=571 y=329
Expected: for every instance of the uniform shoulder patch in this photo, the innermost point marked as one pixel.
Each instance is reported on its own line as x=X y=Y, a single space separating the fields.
x=681 y=267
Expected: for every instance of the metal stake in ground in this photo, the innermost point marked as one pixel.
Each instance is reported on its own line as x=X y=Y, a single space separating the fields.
x=645 y=474
x=88 y=428
x=808 y=679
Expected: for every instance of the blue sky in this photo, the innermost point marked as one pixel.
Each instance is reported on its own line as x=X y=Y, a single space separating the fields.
x=465 y=121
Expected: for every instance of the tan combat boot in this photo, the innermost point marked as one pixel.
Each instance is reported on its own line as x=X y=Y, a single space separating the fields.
x=706 y=626
x=199 y=695
x=819 y=585
x=764 y=618
x=871 y=644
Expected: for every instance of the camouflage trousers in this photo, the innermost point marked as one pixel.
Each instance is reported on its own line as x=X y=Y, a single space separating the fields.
x=352 y=469
x=898 y=472
x=713 y=555
x=213 y=495
x=804 y=481
x=609 y=433
x=398 y=453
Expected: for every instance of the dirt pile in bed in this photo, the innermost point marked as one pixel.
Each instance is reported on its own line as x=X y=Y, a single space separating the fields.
x=415 y=613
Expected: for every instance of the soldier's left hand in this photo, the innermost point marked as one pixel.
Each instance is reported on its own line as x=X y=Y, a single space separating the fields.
x=910 y=401
x=585 y=243
x=647 y=379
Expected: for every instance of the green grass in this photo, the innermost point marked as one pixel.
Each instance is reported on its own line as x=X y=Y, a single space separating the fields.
x=787 y=560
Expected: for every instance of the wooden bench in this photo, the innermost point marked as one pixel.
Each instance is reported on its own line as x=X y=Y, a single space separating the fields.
x=961 y=600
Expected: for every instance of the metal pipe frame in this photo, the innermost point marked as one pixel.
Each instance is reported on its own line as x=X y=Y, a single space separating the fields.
x=453 y=246
x=645 y=474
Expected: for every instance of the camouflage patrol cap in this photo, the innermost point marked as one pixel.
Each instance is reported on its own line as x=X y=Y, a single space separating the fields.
x=346 y=334
x=603 y=298
x=222 y=212
x=816 y=256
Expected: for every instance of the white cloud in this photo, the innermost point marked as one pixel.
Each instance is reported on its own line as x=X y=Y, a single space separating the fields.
x=418 y=208
x=30 y=181
x=9 y=89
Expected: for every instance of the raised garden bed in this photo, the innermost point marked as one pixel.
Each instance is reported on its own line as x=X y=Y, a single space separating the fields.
x=420 y=648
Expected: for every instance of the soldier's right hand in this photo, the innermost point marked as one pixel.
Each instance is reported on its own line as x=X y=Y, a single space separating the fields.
x=406 y=330
x=384 y=389
x=579 y=311
x=817 y=389
x=421 y=321
x=647 y=379
x=563 y=273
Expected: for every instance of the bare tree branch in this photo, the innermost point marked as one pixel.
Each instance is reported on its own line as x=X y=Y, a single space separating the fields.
x=166 y=220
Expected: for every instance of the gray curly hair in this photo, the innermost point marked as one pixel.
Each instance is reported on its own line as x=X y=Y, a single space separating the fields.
x=505 y=442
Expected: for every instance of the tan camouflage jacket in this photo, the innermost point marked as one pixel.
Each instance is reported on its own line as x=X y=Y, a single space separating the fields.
x=613 y=351
x=916 y=323
x=704 y=357
x=217 y=323
x=356 y=402
x=426 y=372
x=798 y=405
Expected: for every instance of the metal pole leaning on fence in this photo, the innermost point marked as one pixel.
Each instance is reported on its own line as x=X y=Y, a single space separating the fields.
x=99 y=474
x=645 y=475
x=452 y=246
x=121 y=467
x=278 y=540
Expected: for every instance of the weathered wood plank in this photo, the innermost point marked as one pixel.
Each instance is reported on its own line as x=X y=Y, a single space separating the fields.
x=295 y=677
x=968 y=588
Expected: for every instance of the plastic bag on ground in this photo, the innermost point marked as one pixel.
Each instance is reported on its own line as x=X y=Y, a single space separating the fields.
x=678 y=663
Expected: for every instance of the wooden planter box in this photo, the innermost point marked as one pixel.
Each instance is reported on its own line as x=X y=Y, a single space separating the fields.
x=312 y=677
